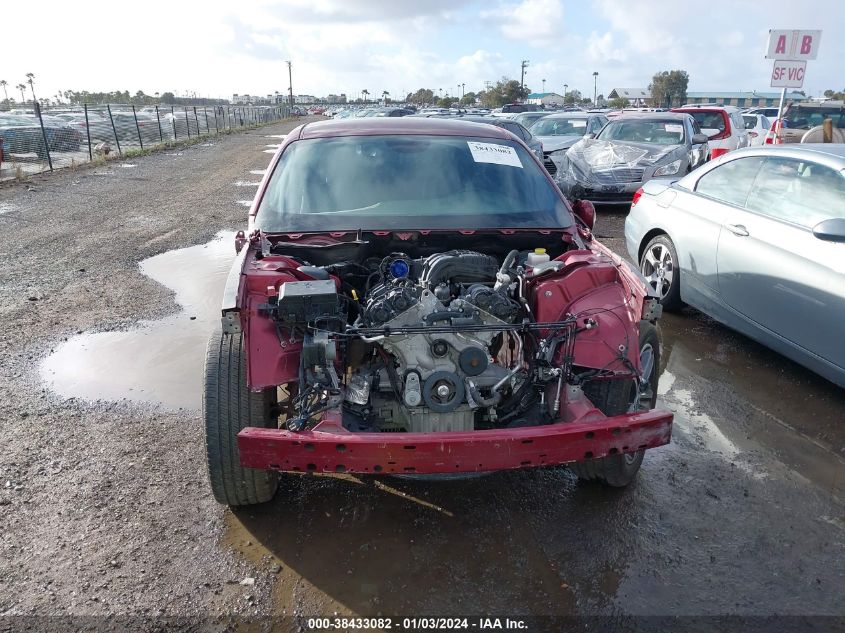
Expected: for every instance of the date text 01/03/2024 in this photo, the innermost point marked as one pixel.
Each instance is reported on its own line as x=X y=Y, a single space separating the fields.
x=417 y=624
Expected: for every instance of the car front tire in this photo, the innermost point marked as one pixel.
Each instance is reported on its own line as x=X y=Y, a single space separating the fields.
x=619 y=471
x=228 y=407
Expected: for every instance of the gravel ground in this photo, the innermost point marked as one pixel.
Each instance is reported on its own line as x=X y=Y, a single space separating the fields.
x=106 y=509
x=105 y=505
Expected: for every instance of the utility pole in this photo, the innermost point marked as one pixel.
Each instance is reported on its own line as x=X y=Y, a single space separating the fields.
x=544 y=85
x=290 y=82
x=595 y=83
x=523 y=66
x=565 y=86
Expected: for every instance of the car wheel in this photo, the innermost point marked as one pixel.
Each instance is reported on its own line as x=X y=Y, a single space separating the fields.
x=620 y=470
x=228 y=407
x=659 y=265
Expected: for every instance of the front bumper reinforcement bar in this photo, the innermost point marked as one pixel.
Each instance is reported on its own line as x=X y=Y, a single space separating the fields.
x=330 y=448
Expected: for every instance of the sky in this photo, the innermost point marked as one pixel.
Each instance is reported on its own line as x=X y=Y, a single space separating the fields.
x=217 y=48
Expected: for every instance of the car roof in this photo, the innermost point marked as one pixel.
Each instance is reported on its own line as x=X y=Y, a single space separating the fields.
x=573 y=115
x=832 y=150
x=654 y=116
x=401 y=125
x=705 y=108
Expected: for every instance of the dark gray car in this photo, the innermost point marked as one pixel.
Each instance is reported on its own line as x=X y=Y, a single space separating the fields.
x=755 y=239
x=628 y=152
x=558 y=132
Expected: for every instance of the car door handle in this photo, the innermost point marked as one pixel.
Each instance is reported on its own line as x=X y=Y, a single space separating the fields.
x=737 y=229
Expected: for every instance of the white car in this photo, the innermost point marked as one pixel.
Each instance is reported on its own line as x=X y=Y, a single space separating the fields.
x=757 y=126
x=723 y=125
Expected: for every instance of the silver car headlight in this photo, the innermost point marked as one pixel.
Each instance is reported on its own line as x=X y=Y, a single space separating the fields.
x=669 y=170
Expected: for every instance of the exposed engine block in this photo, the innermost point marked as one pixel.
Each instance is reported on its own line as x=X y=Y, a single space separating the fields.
x=436 y=372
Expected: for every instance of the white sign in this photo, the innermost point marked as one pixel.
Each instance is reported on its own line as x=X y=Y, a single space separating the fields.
x=493 y=153
x=785 y=45
x=788 y=73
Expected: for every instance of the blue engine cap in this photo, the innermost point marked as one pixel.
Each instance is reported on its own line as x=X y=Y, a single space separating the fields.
x=399 y=269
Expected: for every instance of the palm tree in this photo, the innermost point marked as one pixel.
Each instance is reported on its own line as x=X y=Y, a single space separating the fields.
x=22 y=88
x=366 y=94
x=4 y=83
x=29 y=80
x=384 y=95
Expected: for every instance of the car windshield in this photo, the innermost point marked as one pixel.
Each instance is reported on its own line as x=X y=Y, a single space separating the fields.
x=658 y=132
x=408 y=182
x=560 y=127
x=802 y=118
x=750 y=122
x=709 y=120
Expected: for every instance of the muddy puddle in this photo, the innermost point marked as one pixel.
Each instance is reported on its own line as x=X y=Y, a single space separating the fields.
x=159 y=361
x=746 y=403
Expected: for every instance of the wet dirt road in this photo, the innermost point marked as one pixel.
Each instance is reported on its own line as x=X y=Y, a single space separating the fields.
x=107 y=510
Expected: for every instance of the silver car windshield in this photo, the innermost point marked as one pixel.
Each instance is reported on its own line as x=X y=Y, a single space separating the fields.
x=666 y=132
x=560 y=127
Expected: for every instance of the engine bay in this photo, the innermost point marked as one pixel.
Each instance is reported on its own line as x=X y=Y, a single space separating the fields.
x=446 y=341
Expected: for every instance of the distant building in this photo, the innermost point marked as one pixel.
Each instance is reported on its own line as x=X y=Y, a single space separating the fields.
x=544 y=98
x=341 y=98
x=742 y=99
x=303 y=99
x=240 y=99
x=637 y=97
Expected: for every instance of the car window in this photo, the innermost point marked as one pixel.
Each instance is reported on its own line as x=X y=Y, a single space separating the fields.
x=750 y=121
x=362 y=182
x=798 y=191
x=595 y=125
x=660 y=132
x=731 y=181
x=709 y=120
x=803 y=118
x=520 y=131
x=554 y=126
x=738 y=123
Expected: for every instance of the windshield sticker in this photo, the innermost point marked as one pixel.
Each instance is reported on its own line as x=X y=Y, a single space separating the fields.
x=578 y=123
x=674 y=127
x=492 y=153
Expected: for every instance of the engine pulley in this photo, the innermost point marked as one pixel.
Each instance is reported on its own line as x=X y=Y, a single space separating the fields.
x=443 y=391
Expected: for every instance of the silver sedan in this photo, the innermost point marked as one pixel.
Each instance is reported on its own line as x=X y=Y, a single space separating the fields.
x=756 y=240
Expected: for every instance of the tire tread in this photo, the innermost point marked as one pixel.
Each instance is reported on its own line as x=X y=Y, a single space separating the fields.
x=228 y=407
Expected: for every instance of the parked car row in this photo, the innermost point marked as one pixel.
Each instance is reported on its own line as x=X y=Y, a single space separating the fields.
x=68 y=129
x=23 y=135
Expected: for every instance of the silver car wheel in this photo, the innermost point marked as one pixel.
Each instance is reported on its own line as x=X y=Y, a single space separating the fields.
x=658 y=269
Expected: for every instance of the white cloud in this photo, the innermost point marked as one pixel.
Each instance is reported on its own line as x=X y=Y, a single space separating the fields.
x=533 y=21
x=600 y=48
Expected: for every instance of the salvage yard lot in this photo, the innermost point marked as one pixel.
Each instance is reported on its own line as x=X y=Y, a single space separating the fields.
x=106 y=506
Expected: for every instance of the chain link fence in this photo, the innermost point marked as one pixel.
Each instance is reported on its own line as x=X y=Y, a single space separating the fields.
x=34 y=139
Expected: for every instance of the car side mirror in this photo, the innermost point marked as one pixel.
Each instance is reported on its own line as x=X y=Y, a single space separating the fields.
x=698 y=139
x=832 y=230
x=585 y=211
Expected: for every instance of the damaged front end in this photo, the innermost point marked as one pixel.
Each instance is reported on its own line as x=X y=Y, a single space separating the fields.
x=398 y=353
x=610 y=172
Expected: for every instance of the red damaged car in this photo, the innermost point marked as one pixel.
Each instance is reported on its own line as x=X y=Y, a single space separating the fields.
x=417 y=296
